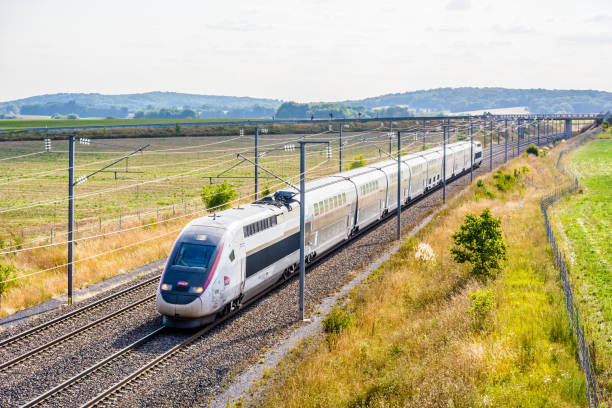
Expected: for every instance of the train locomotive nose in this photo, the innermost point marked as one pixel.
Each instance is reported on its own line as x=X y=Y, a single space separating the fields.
x=179 y=306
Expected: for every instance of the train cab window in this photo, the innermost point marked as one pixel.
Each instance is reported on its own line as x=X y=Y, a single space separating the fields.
x=232 y=256
x=193 y=255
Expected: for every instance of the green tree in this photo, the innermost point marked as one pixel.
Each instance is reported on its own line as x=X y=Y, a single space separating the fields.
x=218 y=196
x=357 y=161
x=479 y=241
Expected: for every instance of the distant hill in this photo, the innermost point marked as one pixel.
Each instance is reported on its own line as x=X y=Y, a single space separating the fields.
x=183 y=105
x=101 y=105
x=471 y=99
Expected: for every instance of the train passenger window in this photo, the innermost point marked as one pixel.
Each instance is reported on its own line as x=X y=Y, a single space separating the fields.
x=316 y=209
x=326 y=204
x=343 y=198
x=335 y=201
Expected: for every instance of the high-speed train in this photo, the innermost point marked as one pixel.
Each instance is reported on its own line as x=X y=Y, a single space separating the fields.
x=222 y=260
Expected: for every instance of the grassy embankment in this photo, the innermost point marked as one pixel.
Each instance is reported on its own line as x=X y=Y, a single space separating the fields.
x=409 y=339
x=583 y=223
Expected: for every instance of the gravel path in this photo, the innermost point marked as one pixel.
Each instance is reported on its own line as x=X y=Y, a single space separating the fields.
x=199 y=372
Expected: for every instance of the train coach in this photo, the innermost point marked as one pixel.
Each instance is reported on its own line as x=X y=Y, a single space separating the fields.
x=224 y=259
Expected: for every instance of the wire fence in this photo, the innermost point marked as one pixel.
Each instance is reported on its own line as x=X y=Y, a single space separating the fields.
x=585 y=357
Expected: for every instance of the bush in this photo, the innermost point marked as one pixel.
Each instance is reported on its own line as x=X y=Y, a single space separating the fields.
x=503 y=181
x=72 y=116
x=7 y=272
x=479 y=241
x=357 y=161
x=482 y=302
x=483 y=191
x=532 y=149
x=605 y=124
x=336 y=321
x=218 y=196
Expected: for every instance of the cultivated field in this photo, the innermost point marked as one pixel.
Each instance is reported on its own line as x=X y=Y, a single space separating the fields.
x=51 y=123
x=584 y=224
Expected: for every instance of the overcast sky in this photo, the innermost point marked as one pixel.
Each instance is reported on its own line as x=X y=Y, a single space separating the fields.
x=304 y=51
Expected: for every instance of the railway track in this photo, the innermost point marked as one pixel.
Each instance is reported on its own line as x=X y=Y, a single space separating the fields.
x=109 y=395
x=9 y=345
x=106 y=397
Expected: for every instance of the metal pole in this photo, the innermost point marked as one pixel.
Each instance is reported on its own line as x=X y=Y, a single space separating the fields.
x=506 y=143
x=340 y=146
x=390 y=135
x=256 y=162
x=70 y=216
x=471 y=153
x=518 y=139
x=491 y=146
x=424 y=134
x=399 y=185
x=302 y=227
x=444 y=167
x=538 y=122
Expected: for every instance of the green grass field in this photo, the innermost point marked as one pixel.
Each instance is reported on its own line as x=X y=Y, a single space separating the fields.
x=584 y=223
x=51 y=123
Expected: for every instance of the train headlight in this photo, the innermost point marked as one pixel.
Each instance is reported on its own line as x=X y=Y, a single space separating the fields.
x=196 y=289
x=166 y=286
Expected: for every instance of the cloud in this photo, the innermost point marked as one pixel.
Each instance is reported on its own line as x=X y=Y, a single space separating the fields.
x=459 y=5
x=599 y=18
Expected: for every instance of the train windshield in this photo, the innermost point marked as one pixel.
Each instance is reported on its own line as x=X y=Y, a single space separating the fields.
x=193 y=255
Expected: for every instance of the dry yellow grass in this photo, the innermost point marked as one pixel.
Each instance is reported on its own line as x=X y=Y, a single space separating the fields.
x=411 y=342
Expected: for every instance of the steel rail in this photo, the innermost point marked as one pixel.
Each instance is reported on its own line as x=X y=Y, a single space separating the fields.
x=76 y=378
x=73 y=333
x=68 y=316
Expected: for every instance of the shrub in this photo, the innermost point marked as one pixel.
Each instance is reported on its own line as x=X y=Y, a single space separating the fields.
x=504 y=181
x=479 y=241
x=605 y=124
x=218 y=196
x=336 y=321
x=532 y=149
x=7 y=272
x=266 y=191
x=72 y=116
x=357 y=161
x=483 y=191
x=482 y=302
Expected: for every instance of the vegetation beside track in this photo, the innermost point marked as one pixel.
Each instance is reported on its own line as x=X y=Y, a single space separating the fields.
x=583 y=224
x=422 y=333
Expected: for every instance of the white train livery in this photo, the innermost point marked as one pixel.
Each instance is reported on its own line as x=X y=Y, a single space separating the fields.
x=222 y=260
